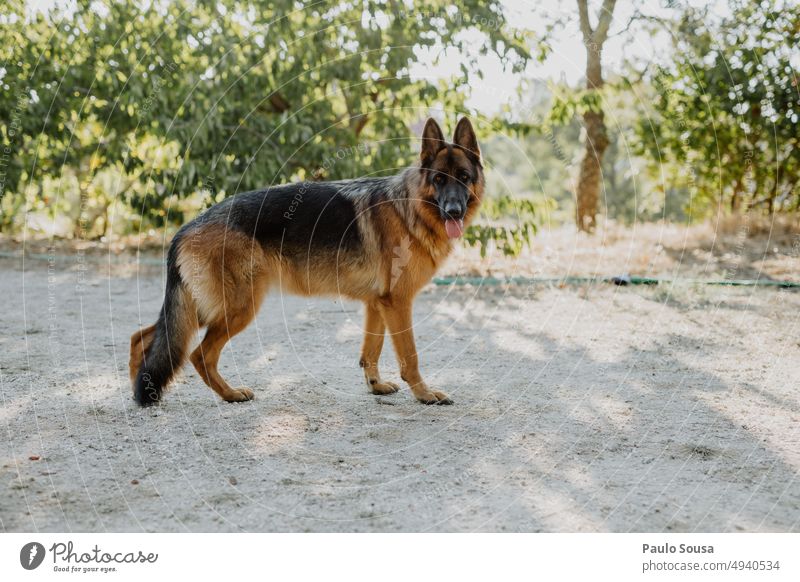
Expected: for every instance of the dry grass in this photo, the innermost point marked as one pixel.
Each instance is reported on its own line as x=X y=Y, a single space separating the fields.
x=733 y=247
x=779 y=228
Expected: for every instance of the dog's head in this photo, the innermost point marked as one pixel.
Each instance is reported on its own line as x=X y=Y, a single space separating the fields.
x=452 y=176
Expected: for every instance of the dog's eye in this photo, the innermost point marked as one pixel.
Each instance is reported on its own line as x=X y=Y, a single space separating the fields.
x=438 y=179
x=464 y=177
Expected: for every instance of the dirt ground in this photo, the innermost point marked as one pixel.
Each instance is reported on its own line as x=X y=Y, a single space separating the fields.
x=577 y=408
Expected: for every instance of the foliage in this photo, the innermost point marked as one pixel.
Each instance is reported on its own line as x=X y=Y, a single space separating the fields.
x=116 y=117
x=723 y=123
x=569 y=103
x=115 y=113
x=510 y=239
x=542 y=162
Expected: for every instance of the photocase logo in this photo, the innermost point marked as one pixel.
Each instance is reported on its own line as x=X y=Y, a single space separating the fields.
x=31 y=555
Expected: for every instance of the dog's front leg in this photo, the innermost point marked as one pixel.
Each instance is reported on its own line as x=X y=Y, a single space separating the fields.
x=397 y=316
x=374 y=330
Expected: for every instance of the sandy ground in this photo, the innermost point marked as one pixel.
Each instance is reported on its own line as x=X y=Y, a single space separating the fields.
x=672 y=408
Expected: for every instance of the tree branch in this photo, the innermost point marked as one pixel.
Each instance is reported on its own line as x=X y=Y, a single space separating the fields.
x=359 y=120
x=586 y=27
x=638 y=15
x=604 y=21
x=278 y=102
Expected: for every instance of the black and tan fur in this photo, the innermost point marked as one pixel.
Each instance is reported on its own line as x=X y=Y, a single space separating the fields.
x=330 y=238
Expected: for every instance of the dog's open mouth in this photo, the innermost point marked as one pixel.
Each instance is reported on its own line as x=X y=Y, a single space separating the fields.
x=454 y=227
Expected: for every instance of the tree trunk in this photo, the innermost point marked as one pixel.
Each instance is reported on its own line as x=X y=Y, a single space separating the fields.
x=591 y=174
x=587 y=194
x=735 y=196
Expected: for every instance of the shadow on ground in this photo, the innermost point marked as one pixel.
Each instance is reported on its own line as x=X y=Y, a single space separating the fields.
x=577 y=409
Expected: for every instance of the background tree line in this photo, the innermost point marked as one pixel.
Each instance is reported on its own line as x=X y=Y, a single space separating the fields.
x=154 y=112
x=116 y=116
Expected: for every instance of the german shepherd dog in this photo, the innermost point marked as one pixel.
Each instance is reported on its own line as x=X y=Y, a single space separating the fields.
x=331 y=238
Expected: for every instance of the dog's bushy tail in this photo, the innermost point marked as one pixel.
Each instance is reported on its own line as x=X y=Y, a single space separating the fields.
x=174 y=329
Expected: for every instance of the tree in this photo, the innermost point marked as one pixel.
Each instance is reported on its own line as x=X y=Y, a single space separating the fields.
x=723 y=122
x=119 y=112
x=591 y=176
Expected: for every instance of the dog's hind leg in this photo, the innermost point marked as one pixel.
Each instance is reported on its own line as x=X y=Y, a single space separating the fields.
x=205 y=357
x=374 y=330
x=227 y=275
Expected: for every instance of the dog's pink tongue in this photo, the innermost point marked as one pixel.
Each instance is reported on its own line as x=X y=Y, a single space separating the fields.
x=454 y=228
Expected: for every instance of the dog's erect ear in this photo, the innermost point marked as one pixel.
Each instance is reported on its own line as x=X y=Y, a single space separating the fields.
x=465 y=137
x=432 y=141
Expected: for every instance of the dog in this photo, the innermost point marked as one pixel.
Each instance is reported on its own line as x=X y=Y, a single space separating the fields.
x=376 y=240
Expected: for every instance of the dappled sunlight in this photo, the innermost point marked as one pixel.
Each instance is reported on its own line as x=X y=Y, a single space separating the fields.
x=100 y=387
x=12 y=409
x=264 y=360
x=652 y=413
x=281 y=431
x=604 y=408
x=758 y=415
x=570 y=414
x=350 y=332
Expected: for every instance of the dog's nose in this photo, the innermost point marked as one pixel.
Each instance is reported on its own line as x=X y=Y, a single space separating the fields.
x=454 y=210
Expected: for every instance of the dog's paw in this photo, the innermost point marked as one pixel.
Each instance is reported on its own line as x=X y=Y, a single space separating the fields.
x=239 y=395
x=382 y=388
x=433 y=397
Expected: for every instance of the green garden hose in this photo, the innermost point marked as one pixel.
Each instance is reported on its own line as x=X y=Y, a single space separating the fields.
x=619 y=280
